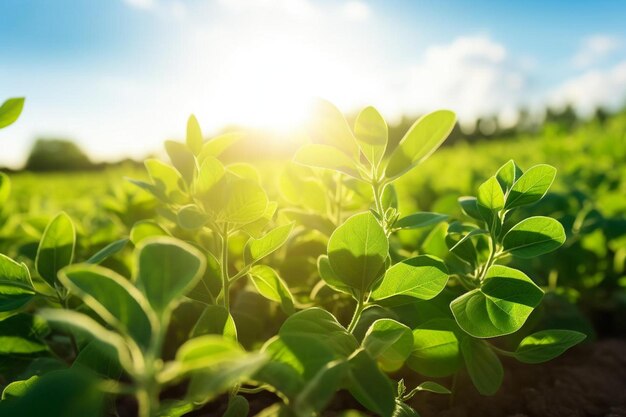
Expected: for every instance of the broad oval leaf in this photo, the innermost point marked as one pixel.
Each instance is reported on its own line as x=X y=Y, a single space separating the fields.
x=16 y=286
x=271 y=286
x=357 y=251
x=483 y=365
x=500 y=306
x=145 y=229
x=534 y=236
x=167 y=181
x=22 y=334
x=112 y=297
x=182 y=159
x=389 y=342
x=531 y=186
x=315 y=329
x=508 y=174
x=205 y=352
x=469 y=205
x=56 y=248
x=545 y=345
x=166 y=270
x=421 y=277
x=194 y=135
x=331 y=128
x=370 y=386
x=436 y=351
x=490 y=195
x=257 y=249
x=422 y=139
x=319 y=390
x=10 y=111
x=191 y=217
x=210 y=173
x=217 y=145
x=328 y=276
x=215 y=320
x=235 y=200
x=327 y=157
x=370 y=130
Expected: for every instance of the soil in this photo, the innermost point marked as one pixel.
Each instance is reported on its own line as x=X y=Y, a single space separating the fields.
x=589 y=380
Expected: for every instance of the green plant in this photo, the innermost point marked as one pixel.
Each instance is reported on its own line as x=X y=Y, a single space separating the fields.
x=362 y=310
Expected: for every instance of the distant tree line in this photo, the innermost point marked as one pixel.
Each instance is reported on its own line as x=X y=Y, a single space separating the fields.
x=57 y=154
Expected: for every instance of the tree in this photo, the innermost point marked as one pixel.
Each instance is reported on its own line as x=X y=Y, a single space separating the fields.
x=56 y=155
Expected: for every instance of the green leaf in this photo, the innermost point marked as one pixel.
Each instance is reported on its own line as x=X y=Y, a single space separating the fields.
x=389 y=342
x=145 y=229
x=108 y=251
x=62 y=393
x=327 y=157
x=217 y=145
x=500 y=306
x=257 y=249
x=318 y=392
x=205 y=352
x=18 y=389
x=422 y=139
x=56 y=248
x=483 y=365
x=508 y=174
x=271 y=286
x=100 y=358
x=420 y=219
x=194 y=135
x=331 y=128
x=182 y=159
x=112 y=297
x=237 y=407
x=167 y=181
x=215 y=320
x=314 y=337
x=534 y=236
x=210 y=173
x=208 y=383
x=430 y=386
x=435 y=349
x=235 y=200
x=531 y=186
x=369 y=386
x=191 y=217
x=87 y=327
x=370 y=130
x=357 y=251
x=490 y=195
x=166 y=270
x=10 y=111
x=546 y=345
x=328 y=276
x=22 y=334
x=421 y=277
x=469 y=205
x=16 y=286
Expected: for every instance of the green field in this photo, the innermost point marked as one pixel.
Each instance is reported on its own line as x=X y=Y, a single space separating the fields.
x=295 y=280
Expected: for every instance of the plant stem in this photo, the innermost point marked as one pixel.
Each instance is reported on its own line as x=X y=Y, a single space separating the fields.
x=225 y=279
x=357 y=314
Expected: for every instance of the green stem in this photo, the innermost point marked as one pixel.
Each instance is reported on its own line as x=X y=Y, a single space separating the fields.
x=501 y=351
x=360 y=306
x=225 y=279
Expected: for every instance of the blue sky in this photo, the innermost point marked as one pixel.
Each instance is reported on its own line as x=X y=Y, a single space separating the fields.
x=121 y=76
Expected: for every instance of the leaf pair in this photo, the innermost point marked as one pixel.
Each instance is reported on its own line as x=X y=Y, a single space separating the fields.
x=340 y=149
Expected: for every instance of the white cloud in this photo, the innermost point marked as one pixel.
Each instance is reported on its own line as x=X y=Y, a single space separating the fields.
x=473 y=75
x=595 y=48
x=592 y=89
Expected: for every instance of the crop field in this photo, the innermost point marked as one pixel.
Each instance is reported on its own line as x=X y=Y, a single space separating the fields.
x=358 y=275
